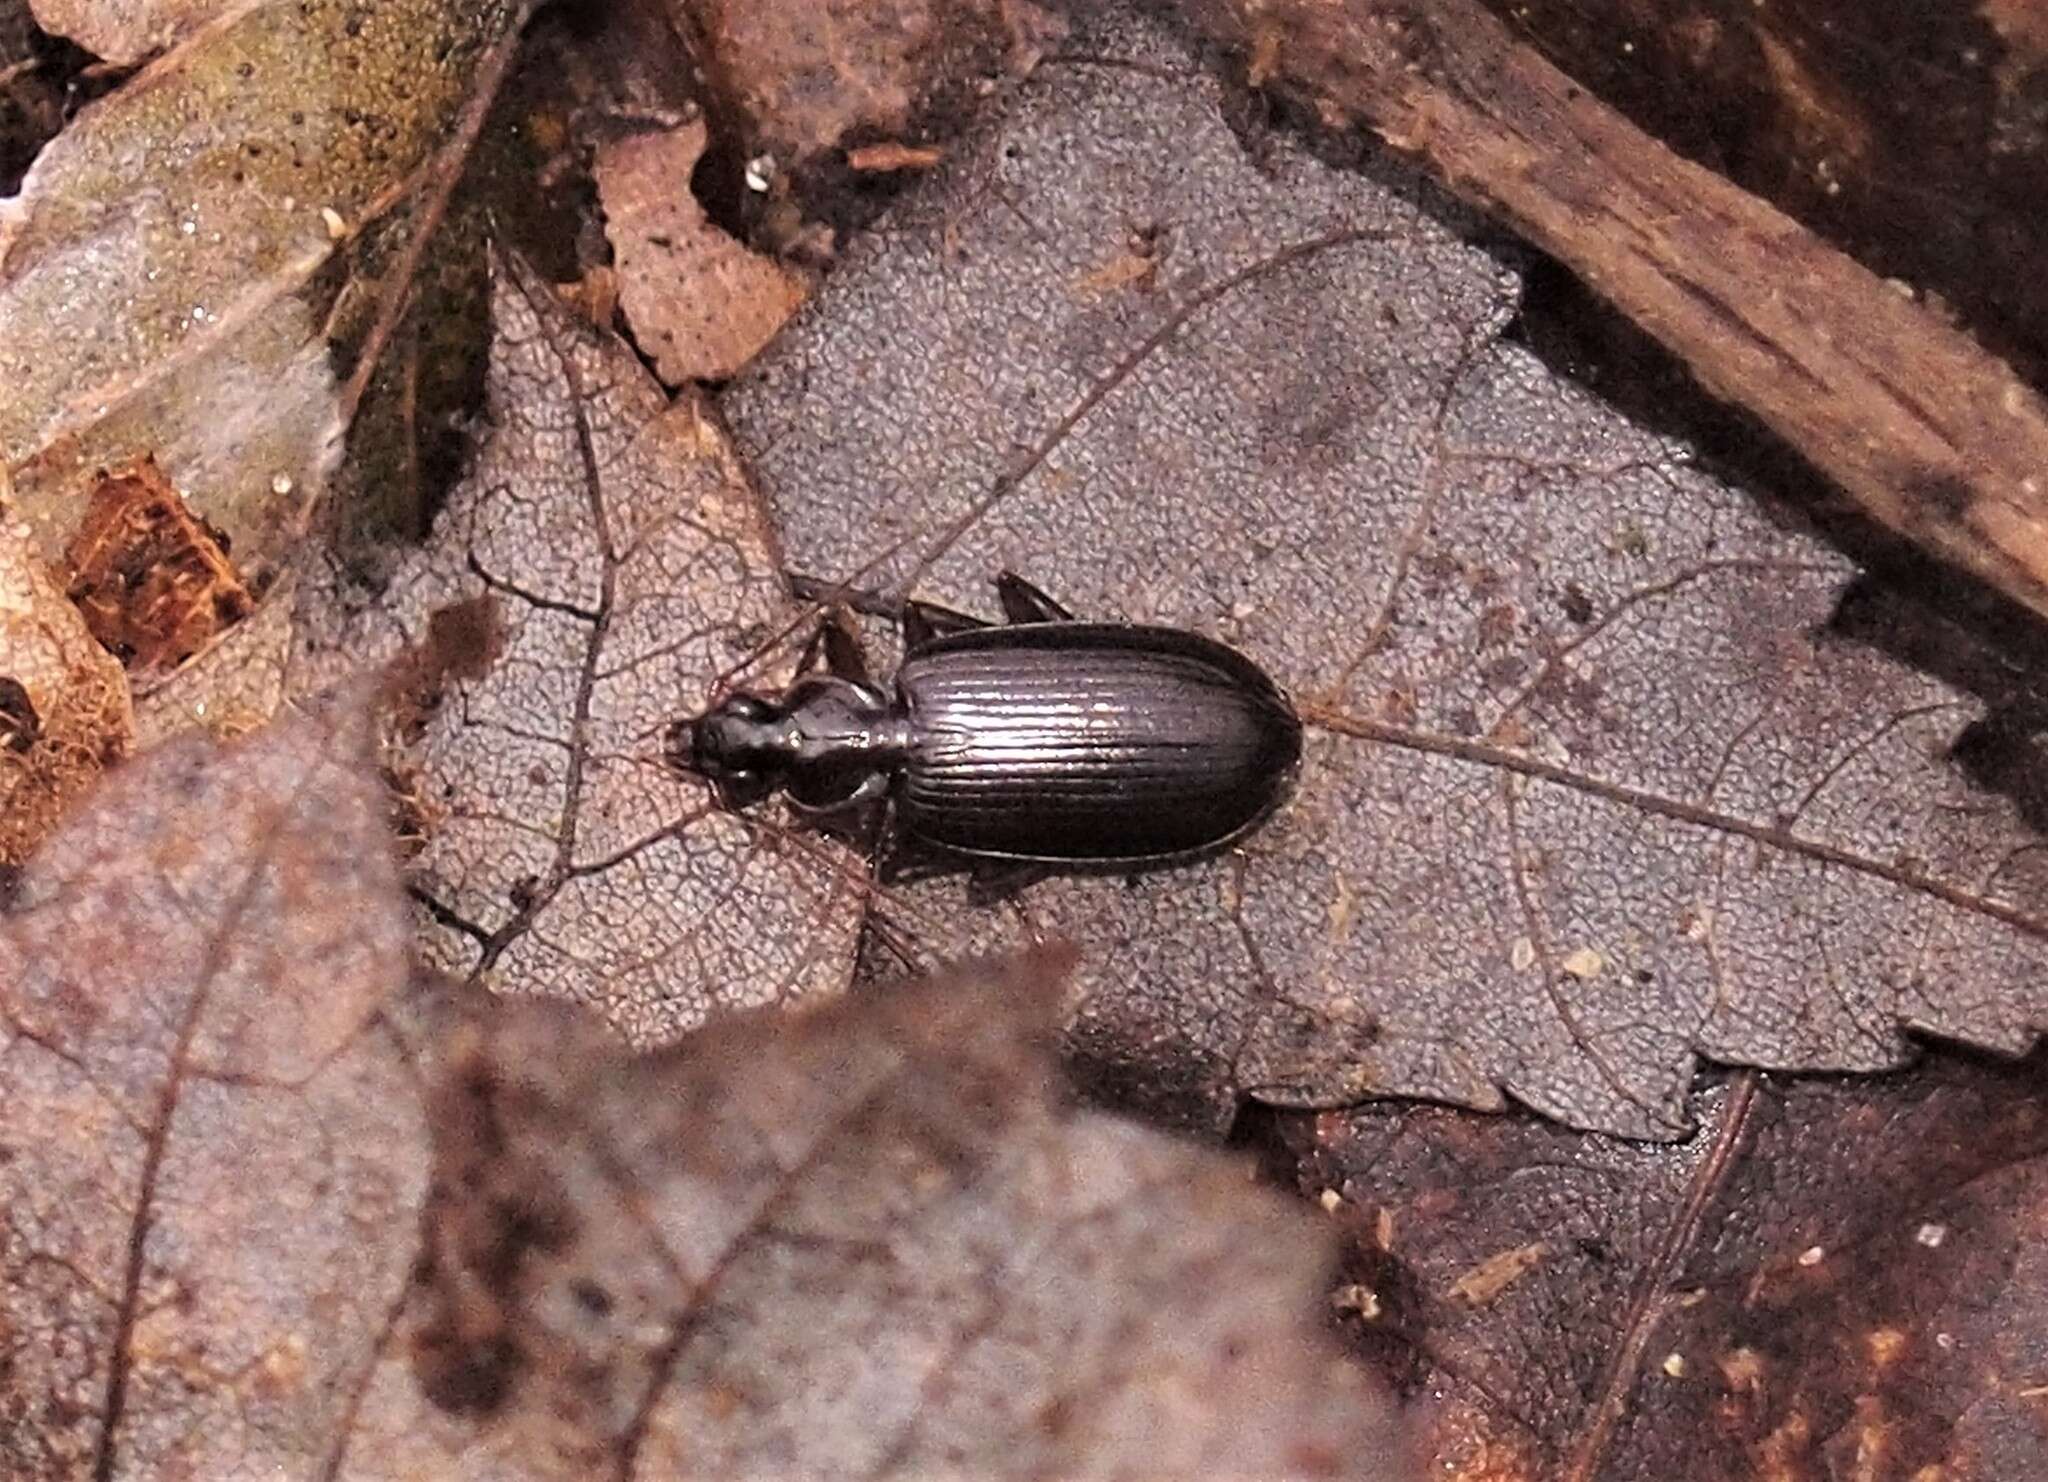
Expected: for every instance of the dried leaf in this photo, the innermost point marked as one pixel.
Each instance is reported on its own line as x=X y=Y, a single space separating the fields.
x=125 y=31
x=153 y=581
x=66 y=704
x=1834 y=1269
x=161 y=284
x=230 y=687
x=807 y=77
x=630 y=561
x=867 y=1240
x=1571 y=700
x=213 y=1147
x=699 y=303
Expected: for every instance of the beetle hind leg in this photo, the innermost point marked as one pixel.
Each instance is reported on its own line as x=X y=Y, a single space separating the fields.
x=1024 y=603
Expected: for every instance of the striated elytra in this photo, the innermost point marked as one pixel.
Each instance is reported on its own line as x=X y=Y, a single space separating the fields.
x=1048 y=742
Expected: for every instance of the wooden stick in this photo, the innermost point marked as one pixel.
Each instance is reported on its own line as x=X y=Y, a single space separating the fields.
x=1926 y=431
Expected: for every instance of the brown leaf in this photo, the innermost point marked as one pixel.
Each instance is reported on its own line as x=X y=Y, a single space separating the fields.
x=67 y=707
x=1836 y=1278
x=214 y=1150
x=231 y=686
x=699 y=303
x=807 y=77
x=161 y=273
x=867 y=1240
x=125 y=31
x=153 y=582
x=630 y=560
x=1590 y=789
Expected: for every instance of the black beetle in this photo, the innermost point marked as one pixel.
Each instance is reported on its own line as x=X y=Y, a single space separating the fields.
x=1046 y=744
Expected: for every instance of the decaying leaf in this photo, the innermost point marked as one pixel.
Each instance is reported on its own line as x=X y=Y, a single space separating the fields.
x=152 y=580
x=1833 y=1269
x=698 y=302
x=64 y=705
x=808 y=79
x=1572 y=701
x=631 y=565
x=161 y=284
x=230 y=687
x=870 y=1239
x=125 y=31
x=213 y=1146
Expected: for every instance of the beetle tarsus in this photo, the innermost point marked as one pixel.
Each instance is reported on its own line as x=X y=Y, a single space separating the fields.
x=1024 y=603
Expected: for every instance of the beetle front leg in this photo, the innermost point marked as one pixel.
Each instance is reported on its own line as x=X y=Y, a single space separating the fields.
x=1024 y=603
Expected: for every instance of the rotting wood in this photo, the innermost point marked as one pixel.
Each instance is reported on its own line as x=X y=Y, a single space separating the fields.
x=1926 y=431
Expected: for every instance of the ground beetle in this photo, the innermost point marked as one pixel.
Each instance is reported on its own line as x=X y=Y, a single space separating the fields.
x=1048 y=744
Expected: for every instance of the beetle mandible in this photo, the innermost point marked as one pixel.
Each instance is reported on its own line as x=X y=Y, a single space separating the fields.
x=1046 y=744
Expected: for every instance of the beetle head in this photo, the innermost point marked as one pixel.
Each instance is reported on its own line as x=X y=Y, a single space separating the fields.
x=741 y=746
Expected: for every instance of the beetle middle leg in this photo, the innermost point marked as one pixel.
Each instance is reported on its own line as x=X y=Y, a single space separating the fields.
x=924 y=621
x=1024 y=603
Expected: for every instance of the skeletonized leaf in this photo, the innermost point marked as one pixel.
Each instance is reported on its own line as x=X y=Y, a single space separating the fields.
x=629 y=562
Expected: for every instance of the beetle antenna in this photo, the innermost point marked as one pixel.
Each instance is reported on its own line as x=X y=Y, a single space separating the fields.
x=815 y=597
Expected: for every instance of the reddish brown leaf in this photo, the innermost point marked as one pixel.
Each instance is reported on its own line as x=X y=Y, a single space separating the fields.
x=698 y=302
x=808 y=78
x=1836 y=1278
x=152 y=580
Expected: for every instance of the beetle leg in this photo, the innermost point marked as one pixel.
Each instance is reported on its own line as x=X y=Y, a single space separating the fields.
x=924 y=621
x=843 y=656
x=1024 y=603
x=993 y=882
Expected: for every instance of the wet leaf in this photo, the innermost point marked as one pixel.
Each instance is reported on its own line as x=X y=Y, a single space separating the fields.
x=698 y=302
x=629 y=559
x=1589 y=792
x=65 y=712
x=1832 y=1270
x=869 y=1239
x=161 y=273
x=213 y=1148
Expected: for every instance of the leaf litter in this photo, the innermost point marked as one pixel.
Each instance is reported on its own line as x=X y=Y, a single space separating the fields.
x=161 y=271
x=629 y=560
x=1835 y=1268
x=276 y=1204
x=213 y=1151
x=1590 y=792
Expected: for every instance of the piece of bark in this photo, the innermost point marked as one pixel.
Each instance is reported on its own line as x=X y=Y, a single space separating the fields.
x=1913 y=140
x=1929 y=434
